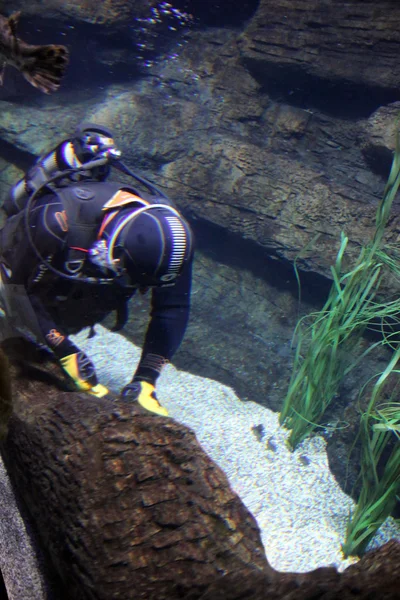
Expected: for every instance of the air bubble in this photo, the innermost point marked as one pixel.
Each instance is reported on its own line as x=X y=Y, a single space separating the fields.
x=163 y=18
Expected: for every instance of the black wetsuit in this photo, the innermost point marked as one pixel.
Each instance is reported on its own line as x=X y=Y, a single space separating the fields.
x=63 y=306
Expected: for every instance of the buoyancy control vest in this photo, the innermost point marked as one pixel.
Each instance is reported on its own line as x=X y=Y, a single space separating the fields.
x=85 y=206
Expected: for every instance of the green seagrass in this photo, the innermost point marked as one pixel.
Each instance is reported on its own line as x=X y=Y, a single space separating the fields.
x=327 y=340
x=326 y=352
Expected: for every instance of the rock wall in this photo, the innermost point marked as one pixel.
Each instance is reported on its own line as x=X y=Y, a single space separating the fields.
x=354 y=41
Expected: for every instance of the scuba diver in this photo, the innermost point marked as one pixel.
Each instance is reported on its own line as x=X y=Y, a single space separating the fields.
x=77 y=246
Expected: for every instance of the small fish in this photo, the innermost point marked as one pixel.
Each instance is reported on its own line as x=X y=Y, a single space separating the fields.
x=304 y=460
x=271 y=445
x=42 y=66
x=258 y=431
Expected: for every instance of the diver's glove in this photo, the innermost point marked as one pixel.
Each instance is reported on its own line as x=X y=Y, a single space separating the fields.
x=81 y=370
x=145 y=394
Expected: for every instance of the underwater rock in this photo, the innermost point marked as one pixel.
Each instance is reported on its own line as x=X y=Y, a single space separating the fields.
x=336 y=40
x=127 y=504
x=380 y=137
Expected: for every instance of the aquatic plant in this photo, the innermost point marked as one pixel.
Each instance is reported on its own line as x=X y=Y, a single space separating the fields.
x=331 y=337
x=327 y=340
x=380 y=483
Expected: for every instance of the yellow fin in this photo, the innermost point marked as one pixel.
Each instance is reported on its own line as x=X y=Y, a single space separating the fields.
x=98 y=390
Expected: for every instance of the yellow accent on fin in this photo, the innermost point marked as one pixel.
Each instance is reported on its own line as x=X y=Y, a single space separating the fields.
x=123 y=197
x=98 y=390
x=70 y=366
x=146 y=400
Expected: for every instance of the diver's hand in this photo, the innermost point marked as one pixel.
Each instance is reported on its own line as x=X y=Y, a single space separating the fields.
x=145 y=394
x=81 y=370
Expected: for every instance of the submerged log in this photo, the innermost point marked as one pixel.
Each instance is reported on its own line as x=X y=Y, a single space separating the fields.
x=375 y=577
x=126 y=503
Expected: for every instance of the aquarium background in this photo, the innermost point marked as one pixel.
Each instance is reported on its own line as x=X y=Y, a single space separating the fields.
x=271 y=125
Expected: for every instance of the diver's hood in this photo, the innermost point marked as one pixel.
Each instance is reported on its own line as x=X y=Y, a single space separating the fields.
x=152 y=246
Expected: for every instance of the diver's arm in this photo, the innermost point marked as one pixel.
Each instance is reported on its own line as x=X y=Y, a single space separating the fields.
x=167 y=326
x=169 y=318
x=76 y=365
x=48 y=235
x=28 y=270
x=54 y=337
x=30 y=273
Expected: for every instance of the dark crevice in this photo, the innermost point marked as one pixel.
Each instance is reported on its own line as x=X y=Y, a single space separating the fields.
x=3 y=589
x=379 y=160
x=231 y=249
x=342 y=99
x=315 y=25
